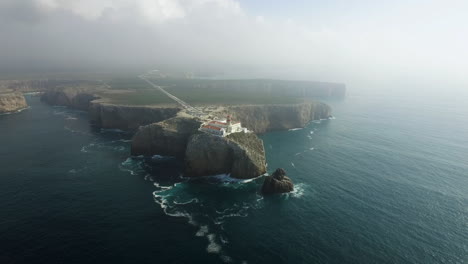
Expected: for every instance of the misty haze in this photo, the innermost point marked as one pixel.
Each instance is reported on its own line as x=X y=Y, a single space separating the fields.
x=233 y=131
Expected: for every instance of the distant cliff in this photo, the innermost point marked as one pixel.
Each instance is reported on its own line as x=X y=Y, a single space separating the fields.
x=43 y=85
x=128 y=118
x=268 y=87
x=71 y=97
x=11 y=102
x=264 y=118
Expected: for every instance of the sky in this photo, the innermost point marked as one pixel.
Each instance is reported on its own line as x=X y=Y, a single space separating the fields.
x=334 y=40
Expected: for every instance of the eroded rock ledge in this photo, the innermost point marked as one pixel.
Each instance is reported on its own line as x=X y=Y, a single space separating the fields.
x=11 y=102
x=109 y=116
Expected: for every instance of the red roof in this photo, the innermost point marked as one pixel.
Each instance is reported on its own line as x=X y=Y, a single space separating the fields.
x=217 y=122
x=222 y=123
x=212 y=127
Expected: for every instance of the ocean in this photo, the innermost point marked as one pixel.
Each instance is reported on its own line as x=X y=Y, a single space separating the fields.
x=385 y=181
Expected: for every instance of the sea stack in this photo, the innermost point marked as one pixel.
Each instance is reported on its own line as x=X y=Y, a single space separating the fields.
x=278 y=182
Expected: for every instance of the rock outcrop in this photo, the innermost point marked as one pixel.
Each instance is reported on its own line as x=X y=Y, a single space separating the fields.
x=11 y=102
x=240 y=154
x=109 y=116
x=278 y=182
x=128 y=118
x=167 y=138
x=265 y=118
x=71 y=97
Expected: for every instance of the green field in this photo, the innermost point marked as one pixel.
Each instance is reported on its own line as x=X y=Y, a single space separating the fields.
x=140 y=97
x=130 y=83
x=219 y=96
x=187 y=90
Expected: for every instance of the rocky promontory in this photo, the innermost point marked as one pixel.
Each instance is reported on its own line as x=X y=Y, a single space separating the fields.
x=11 y=102
x=278 y=182
x=240 y=154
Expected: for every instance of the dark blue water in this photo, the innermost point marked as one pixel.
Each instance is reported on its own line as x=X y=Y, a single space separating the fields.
x=385 y=182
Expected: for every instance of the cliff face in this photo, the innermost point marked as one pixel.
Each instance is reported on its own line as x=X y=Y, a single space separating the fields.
x=264 y=118
x=128 y=118
x=167 y=138
x=10 y=102
x=241 y=154
x=74 y=98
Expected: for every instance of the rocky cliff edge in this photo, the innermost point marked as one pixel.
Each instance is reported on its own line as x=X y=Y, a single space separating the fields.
x=11 y=102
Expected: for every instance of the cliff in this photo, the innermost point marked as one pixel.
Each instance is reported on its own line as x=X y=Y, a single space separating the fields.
x=264 y=118
x=240 y=154
x=71 y=97
x=167 y=138
x=128 y=118
x=11 y=102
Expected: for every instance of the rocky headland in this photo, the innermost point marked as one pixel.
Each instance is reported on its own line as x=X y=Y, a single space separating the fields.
x=169 y=131
x=12 y=102
x=240 y=154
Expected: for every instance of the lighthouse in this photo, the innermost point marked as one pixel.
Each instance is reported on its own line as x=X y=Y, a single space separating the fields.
x=228 y=124
x=223 y=128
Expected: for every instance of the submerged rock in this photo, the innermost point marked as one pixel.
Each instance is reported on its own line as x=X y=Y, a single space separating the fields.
x=278 y=182
x=240 y=154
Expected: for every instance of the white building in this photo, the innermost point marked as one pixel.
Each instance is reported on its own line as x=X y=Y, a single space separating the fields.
x=222 y=128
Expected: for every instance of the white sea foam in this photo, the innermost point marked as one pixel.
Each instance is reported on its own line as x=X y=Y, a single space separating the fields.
x=299 y=191
x=226 y=259
x=311 y=148
x=294 y=129
x=194 y=200
x=311 y=132
x=202 y=231
x=161 y=187
x=17 y=111
x=112 y=130
x=292 y=164
x=213 y=247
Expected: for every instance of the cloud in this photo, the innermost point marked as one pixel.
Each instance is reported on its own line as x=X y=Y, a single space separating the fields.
x=361 y=40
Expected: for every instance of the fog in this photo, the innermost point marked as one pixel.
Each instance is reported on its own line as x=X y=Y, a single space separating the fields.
x=339 y=40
